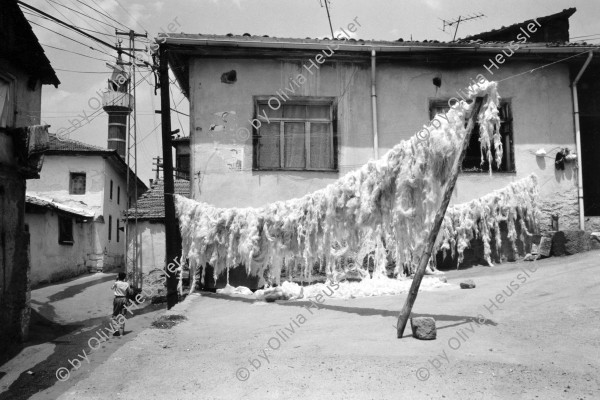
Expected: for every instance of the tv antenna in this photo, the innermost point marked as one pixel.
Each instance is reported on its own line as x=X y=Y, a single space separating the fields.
x=457 y=22
x=328 y=16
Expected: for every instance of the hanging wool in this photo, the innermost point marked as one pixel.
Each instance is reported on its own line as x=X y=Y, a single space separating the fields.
x=515 y=204
x=390 y=202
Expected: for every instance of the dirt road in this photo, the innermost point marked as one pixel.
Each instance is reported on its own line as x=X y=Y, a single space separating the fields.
x=540 y=341
x=64 y=318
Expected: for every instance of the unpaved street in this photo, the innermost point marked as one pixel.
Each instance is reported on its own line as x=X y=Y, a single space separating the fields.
x=542 y=341
x=64 y=318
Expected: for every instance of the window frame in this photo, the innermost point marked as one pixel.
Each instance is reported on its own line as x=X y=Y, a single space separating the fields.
x=508 y=159
x=11 y=105
x=65 y=238
x=71 y=189
x=297 y=101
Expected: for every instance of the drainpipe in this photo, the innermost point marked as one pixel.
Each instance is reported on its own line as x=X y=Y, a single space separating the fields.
x=374 y=105
x=578 y=141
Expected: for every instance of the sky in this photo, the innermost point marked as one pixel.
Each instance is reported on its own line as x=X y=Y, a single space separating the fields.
x=73 y=106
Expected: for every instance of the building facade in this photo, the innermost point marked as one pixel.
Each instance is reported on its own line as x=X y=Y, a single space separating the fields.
x=88 y=178
x=276 y=118
x=24 y=69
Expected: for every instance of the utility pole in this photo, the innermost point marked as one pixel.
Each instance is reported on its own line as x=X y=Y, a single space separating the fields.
x=156 y=162
x=172 y=235
x=132 y=155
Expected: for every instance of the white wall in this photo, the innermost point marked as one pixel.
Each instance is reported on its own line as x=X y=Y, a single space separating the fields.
x=151 y=235
x=54 y=183
x=114 y=249
x=50 y=260
x=541 y=106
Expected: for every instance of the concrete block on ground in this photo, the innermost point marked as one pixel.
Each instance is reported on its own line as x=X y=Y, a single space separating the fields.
x=569 y=242
x=423 y=328
x=545 y=247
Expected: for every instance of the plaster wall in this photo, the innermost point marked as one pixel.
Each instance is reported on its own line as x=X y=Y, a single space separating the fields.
x=151 y=235
x=52 y=261
x=542 y=118
x=15 y=291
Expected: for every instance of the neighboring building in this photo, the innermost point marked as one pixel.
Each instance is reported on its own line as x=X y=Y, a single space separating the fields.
x=276 y=118
x=82 y=177
x=51 y=259
x=151 y=226
x=24 y=68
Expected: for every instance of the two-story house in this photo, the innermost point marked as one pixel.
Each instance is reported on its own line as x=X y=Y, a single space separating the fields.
x=75 y=210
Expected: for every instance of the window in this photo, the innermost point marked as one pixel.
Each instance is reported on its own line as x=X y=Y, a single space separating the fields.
x=300 y=135
x=77 y=184
x=65 y=230
x=182 y=162
x=111 y=189
x=118 y=229
x=109 y=227
x=472 y=161
x=118 y=194
x=7 y=103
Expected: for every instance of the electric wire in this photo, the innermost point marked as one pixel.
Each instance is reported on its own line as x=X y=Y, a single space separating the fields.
x=105 y=15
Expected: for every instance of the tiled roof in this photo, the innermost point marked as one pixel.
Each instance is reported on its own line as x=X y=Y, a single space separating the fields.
x=151 y=205
x=73 y=146
x=20 y=45
x=54 y=204
x=566 y=13
x=257 y=41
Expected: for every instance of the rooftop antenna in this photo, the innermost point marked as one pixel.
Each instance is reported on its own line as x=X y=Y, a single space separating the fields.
x=457 y=22
x=328 y=16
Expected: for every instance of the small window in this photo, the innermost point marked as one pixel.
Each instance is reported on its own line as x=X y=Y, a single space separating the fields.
x=111 y=189
x=118 y=194
x=118 y=229
x=298 y=136
x=109 y=227
x=472 y=161
x=7 y=101
x=182 y=163
x=77 y=184
x=65 y=230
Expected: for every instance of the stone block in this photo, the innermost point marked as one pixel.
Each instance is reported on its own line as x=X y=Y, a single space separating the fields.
x=423 y=328
x=545 y=247
x=570 y=242
x=468 y=284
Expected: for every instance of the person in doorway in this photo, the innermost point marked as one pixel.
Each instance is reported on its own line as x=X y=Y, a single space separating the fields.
x=121 y=289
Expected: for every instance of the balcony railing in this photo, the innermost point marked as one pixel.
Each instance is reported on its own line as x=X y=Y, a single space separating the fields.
x=113 y=99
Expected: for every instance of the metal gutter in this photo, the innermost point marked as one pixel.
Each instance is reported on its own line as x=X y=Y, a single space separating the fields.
x=578 y=141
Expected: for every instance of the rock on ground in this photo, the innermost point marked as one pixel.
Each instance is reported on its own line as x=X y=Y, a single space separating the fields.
x=423 y=328
x=468 y=284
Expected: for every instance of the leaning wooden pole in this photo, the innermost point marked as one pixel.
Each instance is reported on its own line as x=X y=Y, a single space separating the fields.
x=437 y=223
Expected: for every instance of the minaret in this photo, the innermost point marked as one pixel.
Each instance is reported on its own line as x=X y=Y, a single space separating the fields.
x=118 y=104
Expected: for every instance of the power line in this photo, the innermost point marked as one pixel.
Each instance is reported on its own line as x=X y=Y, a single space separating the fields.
x=90 y=23
x=82 y=32
x=80 y=72
x=74 y=52
x=132 y=17
x=67 y=37
x=79 y=12
x=103 y=14
x=85 y=29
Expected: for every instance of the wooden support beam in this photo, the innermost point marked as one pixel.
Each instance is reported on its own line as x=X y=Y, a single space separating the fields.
x=437 y=223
